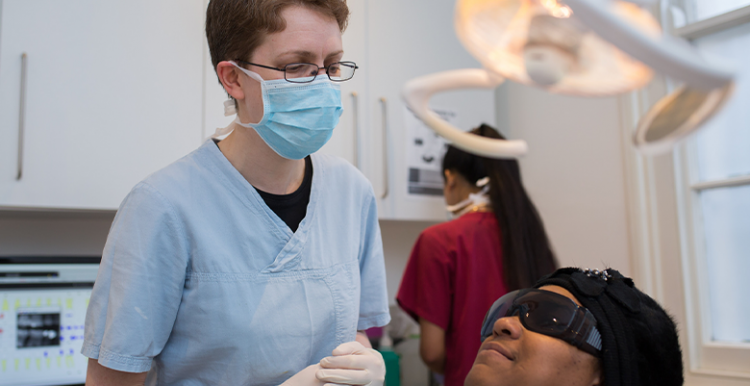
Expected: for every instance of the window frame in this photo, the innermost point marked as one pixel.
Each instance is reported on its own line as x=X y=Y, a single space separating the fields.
x=665 y=229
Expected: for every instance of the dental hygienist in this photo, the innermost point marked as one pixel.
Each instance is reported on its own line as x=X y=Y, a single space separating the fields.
x=252 y=260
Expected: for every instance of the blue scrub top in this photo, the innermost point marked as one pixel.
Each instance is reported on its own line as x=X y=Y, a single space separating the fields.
x=201 y=282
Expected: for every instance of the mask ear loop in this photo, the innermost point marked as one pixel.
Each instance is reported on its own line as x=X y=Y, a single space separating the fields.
x=477 y=199
x=247 y=72
x=230 y=107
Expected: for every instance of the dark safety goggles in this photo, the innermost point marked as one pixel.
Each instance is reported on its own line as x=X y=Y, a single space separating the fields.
x=547 y=313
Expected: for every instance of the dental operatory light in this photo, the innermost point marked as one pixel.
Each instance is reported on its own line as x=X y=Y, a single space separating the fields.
x=576 y=47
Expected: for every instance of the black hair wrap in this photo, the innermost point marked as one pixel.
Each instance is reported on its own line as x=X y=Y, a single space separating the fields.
x=640 y=346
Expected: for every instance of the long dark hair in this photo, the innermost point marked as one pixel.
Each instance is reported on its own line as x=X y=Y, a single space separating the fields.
x=527 y=252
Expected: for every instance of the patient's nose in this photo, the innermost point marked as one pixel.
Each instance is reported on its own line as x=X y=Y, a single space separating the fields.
x=509 y=326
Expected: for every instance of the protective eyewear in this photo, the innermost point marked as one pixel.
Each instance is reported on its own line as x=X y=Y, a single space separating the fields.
x=307 y=72
x=547 y=313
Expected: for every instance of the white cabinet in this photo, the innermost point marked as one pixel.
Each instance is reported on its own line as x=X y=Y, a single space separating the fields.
x=407 y=39
x=113 y=92
x=349 y=138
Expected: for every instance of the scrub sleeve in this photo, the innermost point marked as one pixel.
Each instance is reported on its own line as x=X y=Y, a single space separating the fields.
x=453 y=276
x=150 y=276
x=426 y=289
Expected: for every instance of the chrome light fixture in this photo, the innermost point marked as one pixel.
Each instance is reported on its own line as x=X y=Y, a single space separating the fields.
x=576 y=47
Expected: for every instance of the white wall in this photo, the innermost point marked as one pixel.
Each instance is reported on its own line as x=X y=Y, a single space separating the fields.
x=398 y=239
x=574 y=171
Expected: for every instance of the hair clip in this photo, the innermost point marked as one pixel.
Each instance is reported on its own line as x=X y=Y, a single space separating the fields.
x=595 y=273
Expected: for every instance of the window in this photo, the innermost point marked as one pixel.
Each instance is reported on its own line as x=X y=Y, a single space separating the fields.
x=691 y=211
x=704 y=9
x=720 y=183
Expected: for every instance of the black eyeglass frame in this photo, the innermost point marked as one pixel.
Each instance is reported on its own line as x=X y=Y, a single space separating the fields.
x=580 y=331
x=346 y=63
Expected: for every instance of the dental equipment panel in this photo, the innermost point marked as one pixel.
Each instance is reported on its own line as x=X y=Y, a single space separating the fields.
x=42 y=311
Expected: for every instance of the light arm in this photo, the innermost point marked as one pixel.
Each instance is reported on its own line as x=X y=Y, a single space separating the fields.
x=417 y=92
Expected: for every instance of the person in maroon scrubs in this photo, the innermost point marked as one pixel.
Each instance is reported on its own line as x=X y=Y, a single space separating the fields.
x=496 y=243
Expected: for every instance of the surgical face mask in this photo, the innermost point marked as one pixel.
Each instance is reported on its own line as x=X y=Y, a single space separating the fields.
x=475 y=200
x=298 y=118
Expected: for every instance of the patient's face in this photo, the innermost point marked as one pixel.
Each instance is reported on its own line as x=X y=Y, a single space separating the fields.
x=515 y=356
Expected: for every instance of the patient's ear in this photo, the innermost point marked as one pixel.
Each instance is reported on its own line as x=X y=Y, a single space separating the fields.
x=597 y=376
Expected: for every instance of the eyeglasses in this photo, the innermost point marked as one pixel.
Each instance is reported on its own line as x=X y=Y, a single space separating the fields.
x=547 y=313
x=307 y=72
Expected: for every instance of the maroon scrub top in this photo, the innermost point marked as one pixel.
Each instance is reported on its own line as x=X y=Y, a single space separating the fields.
x=453 y=276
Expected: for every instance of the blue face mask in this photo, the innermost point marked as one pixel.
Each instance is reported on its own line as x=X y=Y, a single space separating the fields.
x=298 y=118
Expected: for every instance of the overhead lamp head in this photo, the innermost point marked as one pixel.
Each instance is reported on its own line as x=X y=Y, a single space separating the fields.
x=543 y=43
x=578 y=47
x=677 y=115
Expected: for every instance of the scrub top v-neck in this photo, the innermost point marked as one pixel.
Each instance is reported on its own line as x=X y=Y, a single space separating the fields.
x=292 y=208
x=202 y=283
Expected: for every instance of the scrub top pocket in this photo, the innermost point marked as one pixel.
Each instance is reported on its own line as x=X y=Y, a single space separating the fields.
x=293 y=321
x=273 y=325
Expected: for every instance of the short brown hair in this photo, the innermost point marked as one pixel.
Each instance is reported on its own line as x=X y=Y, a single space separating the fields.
x=235 y=28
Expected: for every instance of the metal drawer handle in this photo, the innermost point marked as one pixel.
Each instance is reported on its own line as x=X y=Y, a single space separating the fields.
x=22 y=114
x=384 y=105
x=355 y=114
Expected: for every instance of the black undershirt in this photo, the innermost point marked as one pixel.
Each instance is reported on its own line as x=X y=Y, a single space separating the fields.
x=292 y=207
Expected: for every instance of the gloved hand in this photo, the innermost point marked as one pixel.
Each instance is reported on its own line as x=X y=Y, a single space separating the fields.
x=353 y=364
x=306 y=377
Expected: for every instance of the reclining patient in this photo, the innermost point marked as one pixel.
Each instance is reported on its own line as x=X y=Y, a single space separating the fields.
x=578 y=328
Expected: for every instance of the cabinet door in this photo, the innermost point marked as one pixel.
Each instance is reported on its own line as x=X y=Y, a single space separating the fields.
x=113 y=92
x=407 y=39
x=347 y=140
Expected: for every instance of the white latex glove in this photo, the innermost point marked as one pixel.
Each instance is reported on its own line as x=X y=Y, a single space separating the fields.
x=353 y=364
x=306 y=377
